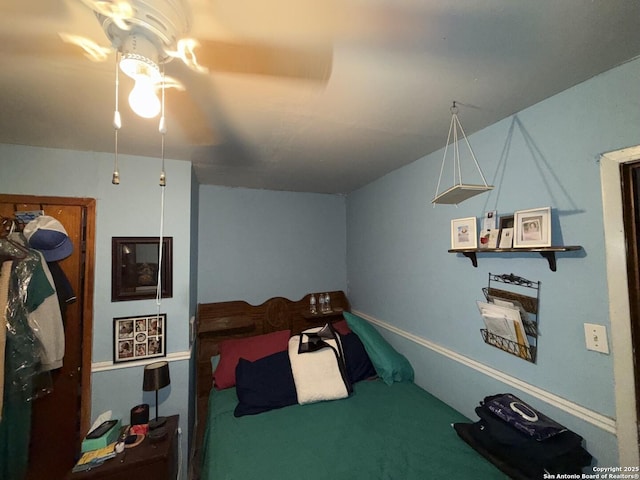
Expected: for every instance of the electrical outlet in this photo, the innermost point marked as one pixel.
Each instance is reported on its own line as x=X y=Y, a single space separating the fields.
x=596 y=337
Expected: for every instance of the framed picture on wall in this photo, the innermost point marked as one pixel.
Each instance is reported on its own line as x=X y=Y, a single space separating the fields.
x=464 y=233
x=136 y=269
x=139 y=338
x=532 y=228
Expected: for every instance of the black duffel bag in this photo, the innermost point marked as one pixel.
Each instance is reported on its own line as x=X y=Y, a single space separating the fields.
x=509 y=436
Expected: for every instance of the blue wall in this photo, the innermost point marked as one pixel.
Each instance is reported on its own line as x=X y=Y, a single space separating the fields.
x=384 y=243
x=257 y=244
x=129 y=209
x=546 y=155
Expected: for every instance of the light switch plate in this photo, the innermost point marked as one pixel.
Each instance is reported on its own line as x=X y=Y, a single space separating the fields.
x=596 y=337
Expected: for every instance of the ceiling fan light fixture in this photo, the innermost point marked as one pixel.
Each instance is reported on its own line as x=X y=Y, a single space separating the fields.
x=139 y=57
x=143 y=99
x=139 y=61
x=135 y=66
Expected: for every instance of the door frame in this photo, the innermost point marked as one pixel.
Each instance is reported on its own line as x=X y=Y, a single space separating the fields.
x=88 y=287
x=619 y=308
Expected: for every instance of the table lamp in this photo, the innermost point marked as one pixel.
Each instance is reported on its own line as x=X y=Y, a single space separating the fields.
x=156 y=376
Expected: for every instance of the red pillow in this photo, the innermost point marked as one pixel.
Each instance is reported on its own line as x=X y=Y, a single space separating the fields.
x=342 y=328
x=249 y=348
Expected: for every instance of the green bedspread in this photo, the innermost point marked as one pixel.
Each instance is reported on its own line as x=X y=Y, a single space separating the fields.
x=397 y=432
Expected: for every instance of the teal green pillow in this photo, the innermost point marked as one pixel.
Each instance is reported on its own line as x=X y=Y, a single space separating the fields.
x=390 y=364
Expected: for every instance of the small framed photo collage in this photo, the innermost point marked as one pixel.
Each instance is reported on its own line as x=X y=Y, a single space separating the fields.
x=139 y=338
x=524 y=229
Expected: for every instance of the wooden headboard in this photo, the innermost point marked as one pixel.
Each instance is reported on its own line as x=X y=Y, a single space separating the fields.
x=216 y=322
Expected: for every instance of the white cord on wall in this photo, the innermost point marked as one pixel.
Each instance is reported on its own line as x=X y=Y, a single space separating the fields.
x=159 y=284
x=179 y=475
x=163 y=130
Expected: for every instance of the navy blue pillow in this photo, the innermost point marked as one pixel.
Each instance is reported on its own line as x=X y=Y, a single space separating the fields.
x=358 y=363
x=264 y=385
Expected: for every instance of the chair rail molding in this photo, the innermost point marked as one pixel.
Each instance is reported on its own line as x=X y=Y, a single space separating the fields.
x=109 y=365
x=601 y=421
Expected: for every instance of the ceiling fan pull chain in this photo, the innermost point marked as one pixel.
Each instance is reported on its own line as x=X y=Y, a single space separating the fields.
x=163 y=176
x=163 y=130
x=117 y=123
x=163 y=182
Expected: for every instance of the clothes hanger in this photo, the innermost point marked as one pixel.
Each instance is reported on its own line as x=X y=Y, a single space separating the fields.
x=8 y=226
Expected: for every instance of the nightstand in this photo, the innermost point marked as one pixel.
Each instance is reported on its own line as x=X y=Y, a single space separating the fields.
x=148 y=461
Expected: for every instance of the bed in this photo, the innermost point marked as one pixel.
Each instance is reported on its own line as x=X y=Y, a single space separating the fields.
x=385 y=428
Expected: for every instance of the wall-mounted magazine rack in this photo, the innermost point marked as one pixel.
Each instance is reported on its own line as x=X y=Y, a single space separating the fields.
x=520 y=298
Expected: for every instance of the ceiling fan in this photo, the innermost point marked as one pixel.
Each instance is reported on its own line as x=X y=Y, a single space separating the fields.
x=148 y=34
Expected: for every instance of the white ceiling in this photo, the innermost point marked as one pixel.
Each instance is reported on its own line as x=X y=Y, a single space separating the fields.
x=382 y=82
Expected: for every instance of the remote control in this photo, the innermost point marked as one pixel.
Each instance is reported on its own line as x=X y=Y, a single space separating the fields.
x=100 y=430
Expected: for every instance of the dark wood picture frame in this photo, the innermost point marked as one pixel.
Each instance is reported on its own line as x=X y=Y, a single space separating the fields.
x=134 y=268
x=506 y=221
x=139 y=337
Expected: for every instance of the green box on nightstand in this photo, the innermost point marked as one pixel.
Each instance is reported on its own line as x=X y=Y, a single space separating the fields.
x=110 y=436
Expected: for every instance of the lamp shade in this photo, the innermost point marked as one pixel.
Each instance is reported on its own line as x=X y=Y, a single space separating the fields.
x=156 y=376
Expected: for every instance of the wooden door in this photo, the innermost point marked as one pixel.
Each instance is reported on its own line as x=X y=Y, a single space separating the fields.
x=631 y=214
x=61 y=418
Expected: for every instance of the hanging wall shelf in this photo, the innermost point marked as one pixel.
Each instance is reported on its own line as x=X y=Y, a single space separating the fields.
x=460 y=191
x=547 y=252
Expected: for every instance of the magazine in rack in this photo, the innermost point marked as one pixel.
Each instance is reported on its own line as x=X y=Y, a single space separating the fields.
x=510 y=315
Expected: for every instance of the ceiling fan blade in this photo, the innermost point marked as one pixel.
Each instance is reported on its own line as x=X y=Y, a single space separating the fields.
x=49 y=45
x=314 y=64
x=93 y=51
x=183 y=113
x=50 y=11
x=119 y=11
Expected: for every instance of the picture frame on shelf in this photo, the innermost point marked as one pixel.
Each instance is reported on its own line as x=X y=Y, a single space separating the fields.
x=490 y=220
x=139 y=338
x=485 y=235
x=506 y=238
x=506 y=232
x=493 y=238
x=532 y=228
x=464 y=233
x=489 y=230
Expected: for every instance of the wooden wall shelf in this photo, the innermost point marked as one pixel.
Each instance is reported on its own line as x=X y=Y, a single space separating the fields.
x=547 y=252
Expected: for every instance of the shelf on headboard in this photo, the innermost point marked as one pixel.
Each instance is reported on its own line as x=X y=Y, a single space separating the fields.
x=312 y=317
